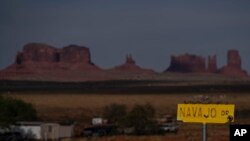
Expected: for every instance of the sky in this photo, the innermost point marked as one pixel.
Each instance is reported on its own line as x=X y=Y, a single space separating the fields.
x=150 y=30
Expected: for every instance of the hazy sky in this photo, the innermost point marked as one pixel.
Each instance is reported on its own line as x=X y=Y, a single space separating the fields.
x=148 y=29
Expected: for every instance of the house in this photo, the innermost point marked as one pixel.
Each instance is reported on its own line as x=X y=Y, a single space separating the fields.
x=43 y=131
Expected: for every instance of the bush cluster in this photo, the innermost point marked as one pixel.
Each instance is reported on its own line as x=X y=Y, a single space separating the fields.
x=140 y=118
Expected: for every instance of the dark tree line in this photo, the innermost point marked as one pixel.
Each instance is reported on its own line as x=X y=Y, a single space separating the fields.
x=14 y=110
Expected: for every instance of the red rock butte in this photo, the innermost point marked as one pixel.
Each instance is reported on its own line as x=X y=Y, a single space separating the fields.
x=42 y=57
x=189 y=63
x=233 y=67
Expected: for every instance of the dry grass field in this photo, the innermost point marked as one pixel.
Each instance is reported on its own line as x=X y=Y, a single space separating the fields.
x=81 y=107
x=93 y=103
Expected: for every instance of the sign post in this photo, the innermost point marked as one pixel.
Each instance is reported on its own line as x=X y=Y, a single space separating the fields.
x=205 y=113
x=204 y=132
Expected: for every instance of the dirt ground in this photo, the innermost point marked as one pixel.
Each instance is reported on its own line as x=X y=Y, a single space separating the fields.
x=81 y=107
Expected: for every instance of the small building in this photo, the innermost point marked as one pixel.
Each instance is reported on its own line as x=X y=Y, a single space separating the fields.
x=44 y=131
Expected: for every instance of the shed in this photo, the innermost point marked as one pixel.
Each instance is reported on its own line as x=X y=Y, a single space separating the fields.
x=44 y=131
x=29 y=130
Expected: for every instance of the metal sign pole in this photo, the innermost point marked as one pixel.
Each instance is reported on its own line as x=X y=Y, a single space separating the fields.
x=204 y=132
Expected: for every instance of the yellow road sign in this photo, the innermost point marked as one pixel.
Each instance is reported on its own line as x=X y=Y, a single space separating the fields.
x=206 y=113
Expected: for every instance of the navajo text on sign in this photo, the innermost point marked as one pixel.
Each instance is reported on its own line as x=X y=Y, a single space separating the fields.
x=206 y=113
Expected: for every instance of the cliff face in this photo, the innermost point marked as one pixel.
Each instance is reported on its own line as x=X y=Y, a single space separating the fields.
x=233 y=66
x=187 y=63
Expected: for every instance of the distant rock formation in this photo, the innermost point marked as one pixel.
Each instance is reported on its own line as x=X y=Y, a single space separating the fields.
x=130 y=60
x=37 y=57
x=130 y=67
x=187 y=63
x=42 y=62
x=233 y=67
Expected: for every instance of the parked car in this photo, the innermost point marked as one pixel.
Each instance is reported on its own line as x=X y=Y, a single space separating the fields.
x=169 y=127
x=100 y=130
x=11 y=136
